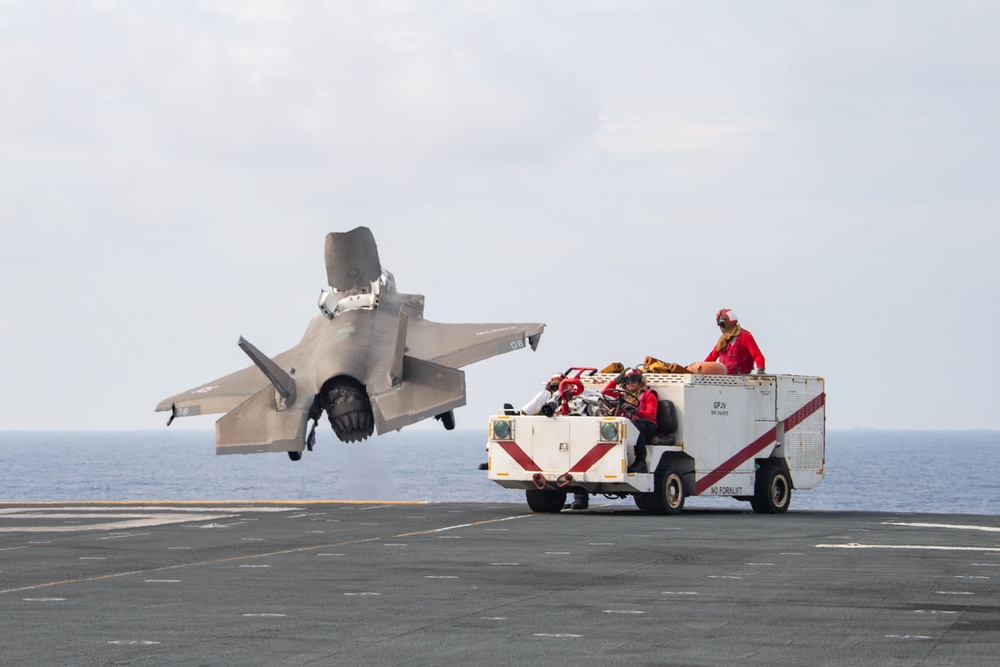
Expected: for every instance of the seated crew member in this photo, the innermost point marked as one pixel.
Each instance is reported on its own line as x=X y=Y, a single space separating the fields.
x=736 y=347
x=548 y=392
x=639 y=403
x=581 y=499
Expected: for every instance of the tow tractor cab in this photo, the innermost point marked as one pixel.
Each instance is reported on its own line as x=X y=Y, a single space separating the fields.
x=751 y=437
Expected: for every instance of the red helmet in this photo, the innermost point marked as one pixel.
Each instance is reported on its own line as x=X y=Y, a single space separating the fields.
x=726 y=318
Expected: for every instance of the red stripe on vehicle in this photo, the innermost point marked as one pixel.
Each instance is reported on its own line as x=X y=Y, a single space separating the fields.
x=804 y=412
x=593 y=456
x=520 y=456
x=760 y=443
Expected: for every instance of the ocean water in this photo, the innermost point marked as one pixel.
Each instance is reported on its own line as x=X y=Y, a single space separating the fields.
x=951 y=472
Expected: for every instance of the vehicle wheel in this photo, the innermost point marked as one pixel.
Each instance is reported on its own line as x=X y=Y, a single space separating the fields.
x=772 y=491
x=545 y=501
x=643 y=501
x=668 y=496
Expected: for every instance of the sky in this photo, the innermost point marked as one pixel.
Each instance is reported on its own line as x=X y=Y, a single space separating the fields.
x=619 y=170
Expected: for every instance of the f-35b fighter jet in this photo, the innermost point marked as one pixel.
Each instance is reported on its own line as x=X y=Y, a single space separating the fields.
x=370 y=361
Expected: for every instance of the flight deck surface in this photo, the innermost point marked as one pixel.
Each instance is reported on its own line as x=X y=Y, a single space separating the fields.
x=372 y=583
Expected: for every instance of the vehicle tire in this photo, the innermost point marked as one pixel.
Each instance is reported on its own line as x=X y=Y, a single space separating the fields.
x=295 y=456
x=545 y=501
x=643 y=501
x=772 y=491
x=668 y=494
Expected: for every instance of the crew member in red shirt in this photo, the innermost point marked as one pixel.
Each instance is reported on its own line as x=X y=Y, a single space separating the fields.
x=639 y=403
x=736 y=347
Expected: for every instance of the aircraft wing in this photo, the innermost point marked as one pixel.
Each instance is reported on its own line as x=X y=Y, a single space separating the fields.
x=458 y=345
x=221 y=395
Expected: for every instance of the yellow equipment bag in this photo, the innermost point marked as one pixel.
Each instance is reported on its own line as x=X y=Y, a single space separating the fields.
x=654 y=365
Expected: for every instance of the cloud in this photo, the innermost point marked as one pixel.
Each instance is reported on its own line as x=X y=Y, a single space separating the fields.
x=169 y=171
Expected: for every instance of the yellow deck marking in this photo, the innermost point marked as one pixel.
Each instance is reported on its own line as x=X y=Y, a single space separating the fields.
x=218 y=502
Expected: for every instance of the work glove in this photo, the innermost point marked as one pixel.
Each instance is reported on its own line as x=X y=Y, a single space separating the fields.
x=761 y=371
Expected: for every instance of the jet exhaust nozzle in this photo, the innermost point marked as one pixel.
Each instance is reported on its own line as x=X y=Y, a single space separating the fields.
x=348 y=408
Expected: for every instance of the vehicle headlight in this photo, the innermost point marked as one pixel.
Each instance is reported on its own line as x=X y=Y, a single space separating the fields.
x=609 y=431
x=502 y=430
